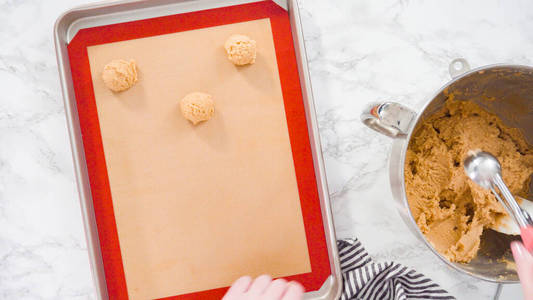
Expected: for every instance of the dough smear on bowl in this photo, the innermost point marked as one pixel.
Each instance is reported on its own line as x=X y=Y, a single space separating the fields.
x=241 y=49
x=197 y=107
x=120 y=75
x=450 y=209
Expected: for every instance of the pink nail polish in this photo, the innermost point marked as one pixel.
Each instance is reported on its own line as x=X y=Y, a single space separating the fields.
x=518 y=249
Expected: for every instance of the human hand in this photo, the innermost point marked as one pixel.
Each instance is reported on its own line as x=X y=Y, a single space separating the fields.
x=524 y=268
x=263 y=288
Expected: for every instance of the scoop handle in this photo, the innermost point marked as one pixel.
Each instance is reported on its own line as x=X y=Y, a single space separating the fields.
x=527 y=237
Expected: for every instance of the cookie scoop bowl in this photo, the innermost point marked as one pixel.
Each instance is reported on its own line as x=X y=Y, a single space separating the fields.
x=505 y=90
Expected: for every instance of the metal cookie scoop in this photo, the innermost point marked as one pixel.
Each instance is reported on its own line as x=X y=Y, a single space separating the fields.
x=484 y=169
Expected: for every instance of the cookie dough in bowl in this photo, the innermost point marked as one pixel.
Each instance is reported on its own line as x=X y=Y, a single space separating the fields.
x=488 y=109
x=450 y=209
x=120 y=75
x=197 y=107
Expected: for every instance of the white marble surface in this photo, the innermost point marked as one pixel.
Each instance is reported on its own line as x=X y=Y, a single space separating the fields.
x=359 y=51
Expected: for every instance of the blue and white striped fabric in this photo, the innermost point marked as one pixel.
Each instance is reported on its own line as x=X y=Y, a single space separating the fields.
x=368 y=280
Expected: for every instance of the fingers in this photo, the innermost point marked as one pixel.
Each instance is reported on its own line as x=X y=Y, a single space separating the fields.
x=264 y=288
x=276 y=289
x=259 y=285
x=524 y=268
x=295 y=291
x=240 y=286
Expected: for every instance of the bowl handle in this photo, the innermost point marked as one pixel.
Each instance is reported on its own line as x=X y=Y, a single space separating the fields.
x=389 y=118
x=395 y=120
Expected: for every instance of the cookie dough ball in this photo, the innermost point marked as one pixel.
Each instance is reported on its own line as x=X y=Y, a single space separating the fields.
x=119 y=75
x=197 y=107
x=241 y=49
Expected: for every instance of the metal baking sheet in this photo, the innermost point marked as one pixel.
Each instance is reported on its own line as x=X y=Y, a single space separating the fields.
x=73 y=21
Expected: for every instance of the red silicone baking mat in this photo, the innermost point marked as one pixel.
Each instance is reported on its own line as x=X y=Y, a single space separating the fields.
x=294 y=111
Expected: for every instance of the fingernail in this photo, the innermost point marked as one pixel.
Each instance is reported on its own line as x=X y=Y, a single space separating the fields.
x=518 y=249
x=296 y=284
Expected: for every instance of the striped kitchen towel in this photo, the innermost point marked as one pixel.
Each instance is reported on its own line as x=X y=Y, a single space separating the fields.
x=368 y=280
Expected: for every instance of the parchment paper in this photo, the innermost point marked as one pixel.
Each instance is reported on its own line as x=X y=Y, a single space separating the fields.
x=198 y=206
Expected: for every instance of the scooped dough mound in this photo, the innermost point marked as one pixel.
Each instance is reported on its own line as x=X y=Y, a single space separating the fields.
x=241 y=49
x=197 y=107
x=119 y=75
x=450 y=209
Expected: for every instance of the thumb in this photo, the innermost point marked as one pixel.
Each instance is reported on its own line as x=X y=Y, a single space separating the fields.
x=524 y=268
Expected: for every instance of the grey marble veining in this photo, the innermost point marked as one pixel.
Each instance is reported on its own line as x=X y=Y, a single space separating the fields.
x=359 y=52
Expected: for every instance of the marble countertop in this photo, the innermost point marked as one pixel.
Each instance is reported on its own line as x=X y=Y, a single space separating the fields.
x=359 y=52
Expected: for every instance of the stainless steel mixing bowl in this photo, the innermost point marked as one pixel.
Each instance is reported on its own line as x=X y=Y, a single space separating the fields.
x=507 y=91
